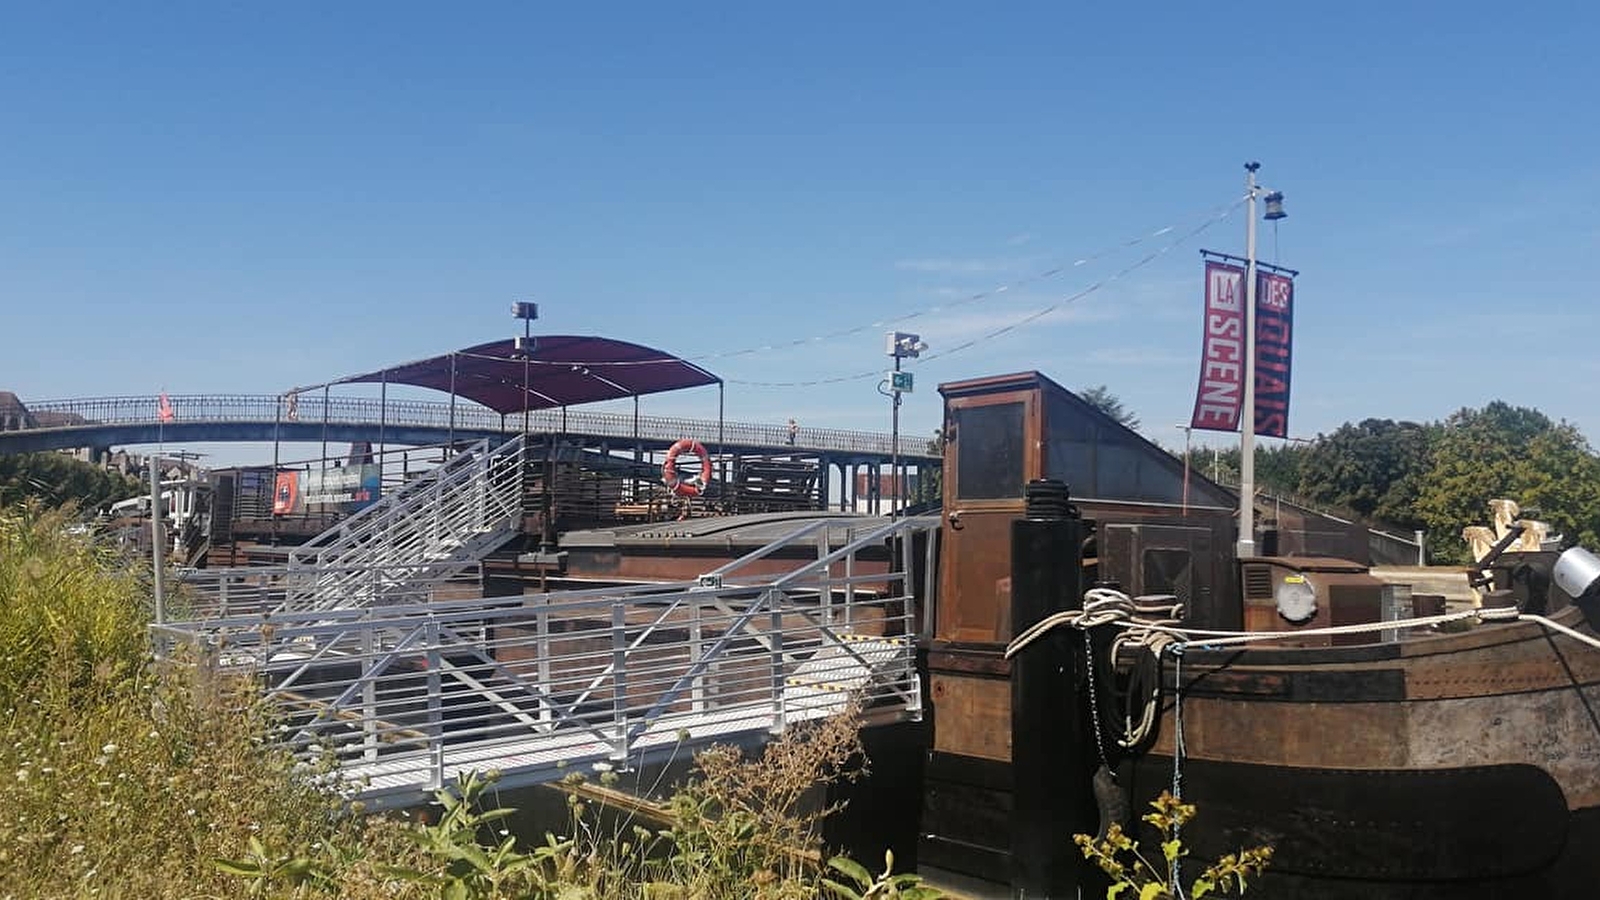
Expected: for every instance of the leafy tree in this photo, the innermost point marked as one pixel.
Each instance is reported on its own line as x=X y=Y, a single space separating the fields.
x=1101 y=398
x=930 y=479
x=1513 y=452
x=57 y=479
x=1437 y=476
x=1279 y=468
x=1220 y=464
x=1374 y=469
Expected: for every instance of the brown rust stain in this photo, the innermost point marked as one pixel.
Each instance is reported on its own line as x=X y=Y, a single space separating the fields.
x=1333 y=735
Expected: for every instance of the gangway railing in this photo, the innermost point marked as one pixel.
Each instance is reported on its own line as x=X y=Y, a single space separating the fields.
x=431 y=527
x=401 y=699
x=234 y=592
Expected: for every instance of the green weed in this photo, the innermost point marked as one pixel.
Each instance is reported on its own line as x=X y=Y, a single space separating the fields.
x=1120 y=857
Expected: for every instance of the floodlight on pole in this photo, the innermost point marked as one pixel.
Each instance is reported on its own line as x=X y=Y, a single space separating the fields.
x=899 y=345
x=527 y=312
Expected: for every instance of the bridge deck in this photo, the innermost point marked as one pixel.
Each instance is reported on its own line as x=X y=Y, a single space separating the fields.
x=115 y=421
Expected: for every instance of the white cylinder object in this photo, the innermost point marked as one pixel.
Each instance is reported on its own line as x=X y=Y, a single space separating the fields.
x=1576 y=571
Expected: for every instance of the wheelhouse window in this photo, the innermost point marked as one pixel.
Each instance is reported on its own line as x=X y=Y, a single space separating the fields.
x=989 y=451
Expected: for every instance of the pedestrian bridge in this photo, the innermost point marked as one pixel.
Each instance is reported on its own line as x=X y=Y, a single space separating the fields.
x=310 y=418
x=403 y=694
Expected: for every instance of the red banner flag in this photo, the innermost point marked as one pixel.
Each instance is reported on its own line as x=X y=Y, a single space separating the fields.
x=1274 y=318
x=1221 y=392
x=287 y=498
x=164 y=408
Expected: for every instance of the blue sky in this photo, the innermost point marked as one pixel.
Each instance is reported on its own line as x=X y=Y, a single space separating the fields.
x=246 y=197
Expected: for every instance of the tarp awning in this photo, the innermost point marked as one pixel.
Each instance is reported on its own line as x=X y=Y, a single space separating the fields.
x=562 y=370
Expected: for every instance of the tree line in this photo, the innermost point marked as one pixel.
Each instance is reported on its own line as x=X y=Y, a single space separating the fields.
x=1438 y=476
x=57 y=479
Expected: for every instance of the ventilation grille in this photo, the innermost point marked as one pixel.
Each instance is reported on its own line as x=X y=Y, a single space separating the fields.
x=1257 y=583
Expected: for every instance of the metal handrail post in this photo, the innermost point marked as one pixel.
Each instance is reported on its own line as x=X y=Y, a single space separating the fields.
x=619 y=679
x=542 y=639
x=779 y=700
x=697 y=687
x=435 y=705
x=824 y=584
x=369 y=699
x=849 y=595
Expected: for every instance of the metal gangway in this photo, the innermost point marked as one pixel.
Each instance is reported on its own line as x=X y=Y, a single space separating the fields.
x=433 y=527
x=397 y=700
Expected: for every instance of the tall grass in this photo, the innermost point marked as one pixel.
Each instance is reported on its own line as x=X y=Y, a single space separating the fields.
x=121 y=776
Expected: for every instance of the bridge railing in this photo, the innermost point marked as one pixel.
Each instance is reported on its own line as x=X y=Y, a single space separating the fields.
x=403 y=698
x=311 y=408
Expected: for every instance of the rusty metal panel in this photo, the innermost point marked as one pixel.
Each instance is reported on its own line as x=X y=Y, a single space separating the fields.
x=1156 y=558
x=972 y=715
x=1351 y=735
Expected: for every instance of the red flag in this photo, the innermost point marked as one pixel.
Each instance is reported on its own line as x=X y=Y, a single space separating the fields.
x=164 y=408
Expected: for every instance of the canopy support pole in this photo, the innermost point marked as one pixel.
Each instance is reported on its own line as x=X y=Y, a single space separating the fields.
x=452 y=438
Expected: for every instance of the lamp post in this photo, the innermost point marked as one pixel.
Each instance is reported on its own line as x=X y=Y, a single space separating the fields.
x=527 y=312
x=1187 y=431
x=524 y=347
x=899 y=345
x=1247 y=428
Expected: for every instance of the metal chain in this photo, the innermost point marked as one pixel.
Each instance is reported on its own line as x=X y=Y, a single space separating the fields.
x=1177 y=753
x=1094 y=706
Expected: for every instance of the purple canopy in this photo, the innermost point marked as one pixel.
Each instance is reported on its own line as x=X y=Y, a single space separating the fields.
x=563 y=370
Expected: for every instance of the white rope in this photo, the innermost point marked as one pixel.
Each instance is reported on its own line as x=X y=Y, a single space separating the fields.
x=1109 y=611
x=1102 y=606
x=1557 y=626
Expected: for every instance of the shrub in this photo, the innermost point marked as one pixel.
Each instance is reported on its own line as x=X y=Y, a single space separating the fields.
x=1119 y=856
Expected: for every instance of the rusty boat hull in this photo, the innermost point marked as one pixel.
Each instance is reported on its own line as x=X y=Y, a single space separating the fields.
x=1455 y=765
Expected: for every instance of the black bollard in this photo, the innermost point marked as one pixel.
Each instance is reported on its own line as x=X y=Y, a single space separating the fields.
x=1051 y=764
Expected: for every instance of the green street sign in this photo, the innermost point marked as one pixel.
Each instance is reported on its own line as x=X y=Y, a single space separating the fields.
x=900 y=382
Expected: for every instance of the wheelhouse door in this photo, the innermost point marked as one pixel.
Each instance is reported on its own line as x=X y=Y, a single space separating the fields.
x=992 y=451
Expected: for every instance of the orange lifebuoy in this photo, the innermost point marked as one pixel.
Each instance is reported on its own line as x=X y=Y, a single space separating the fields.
x=695 y=484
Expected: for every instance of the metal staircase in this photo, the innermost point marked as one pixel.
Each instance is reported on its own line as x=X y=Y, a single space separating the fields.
x=433 y=527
